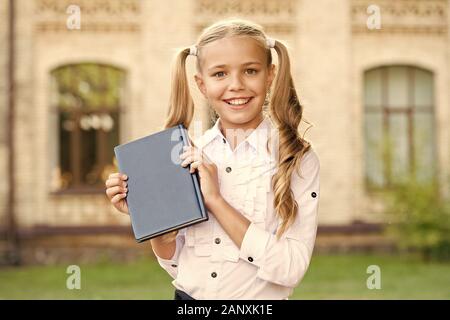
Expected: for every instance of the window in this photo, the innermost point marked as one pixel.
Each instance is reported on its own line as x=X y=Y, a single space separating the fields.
x=87 y=101
x=398 y=125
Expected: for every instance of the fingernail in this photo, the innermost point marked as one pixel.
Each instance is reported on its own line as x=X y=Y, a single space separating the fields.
x=125 y=176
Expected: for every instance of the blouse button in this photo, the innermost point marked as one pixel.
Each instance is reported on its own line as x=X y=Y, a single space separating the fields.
x=213 y=274
x=228 y=169
x=217 y=240
x=313 y=194
x=224 y=141
x=250 y=259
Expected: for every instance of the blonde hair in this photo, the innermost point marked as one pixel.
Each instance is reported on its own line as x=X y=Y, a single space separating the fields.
x=284 y=109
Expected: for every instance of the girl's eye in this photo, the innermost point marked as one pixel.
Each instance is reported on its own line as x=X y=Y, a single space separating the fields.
x=251 y=71
x=219 y=74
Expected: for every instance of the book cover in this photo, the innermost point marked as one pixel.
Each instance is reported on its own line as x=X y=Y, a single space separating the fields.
x=162 y=195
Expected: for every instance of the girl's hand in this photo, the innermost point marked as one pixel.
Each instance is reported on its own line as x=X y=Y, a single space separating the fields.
x=207 y=171
x=116 y=190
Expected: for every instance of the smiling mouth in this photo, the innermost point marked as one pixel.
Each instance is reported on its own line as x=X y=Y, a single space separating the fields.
x=239 y=102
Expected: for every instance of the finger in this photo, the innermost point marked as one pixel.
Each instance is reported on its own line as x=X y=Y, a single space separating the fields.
x=118 y=197
x=200 y=153
x=191 y=158
x=115 y=182
x=186 y=154
x=195 y=165
x=114 y=175
x=187 y=161
x=111 y=192
x=118 y=175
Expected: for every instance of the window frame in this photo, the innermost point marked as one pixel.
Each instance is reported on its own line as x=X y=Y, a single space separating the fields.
x=101 y=152
x=386 y=111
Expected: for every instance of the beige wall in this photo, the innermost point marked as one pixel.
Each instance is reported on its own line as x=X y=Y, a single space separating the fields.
x=328 y=60
x=323 y=75
x=3 y=105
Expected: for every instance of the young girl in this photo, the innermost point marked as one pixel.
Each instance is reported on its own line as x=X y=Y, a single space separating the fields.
x=262 y=201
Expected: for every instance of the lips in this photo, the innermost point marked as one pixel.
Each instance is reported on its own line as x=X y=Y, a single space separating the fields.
x=238 y=102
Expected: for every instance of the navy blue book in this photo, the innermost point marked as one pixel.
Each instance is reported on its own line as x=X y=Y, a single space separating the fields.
x=162 y=195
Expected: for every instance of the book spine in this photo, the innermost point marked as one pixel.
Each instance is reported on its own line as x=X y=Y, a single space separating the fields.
x=116 y=154
x=183 y=133
x=194 y=176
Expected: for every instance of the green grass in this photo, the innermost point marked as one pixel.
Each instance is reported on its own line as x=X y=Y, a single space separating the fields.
x=345 y=277
x=329 y=277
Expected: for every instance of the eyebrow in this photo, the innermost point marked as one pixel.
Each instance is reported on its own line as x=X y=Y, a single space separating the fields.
x=224 y=65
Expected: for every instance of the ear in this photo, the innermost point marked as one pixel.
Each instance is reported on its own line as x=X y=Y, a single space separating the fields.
x=200 y=84
x=271 y=75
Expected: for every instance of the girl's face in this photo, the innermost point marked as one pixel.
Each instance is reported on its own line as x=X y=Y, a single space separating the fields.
x=235 y=78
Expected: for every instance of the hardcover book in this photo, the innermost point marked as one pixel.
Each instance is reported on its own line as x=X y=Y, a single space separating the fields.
x=162 y=195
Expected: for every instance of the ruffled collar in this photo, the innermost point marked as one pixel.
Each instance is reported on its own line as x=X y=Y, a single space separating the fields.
x=257 y=139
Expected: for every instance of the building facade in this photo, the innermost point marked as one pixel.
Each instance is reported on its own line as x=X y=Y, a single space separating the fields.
x=362 y=70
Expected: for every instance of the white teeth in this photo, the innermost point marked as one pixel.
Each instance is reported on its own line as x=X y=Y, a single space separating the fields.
x=237 y=102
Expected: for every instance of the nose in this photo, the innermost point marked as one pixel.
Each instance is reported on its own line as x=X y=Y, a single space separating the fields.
x=236 y=83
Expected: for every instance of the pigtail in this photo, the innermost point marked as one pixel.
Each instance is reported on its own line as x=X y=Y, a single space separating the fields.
x=286 y=111
x=181 y=104
x=181 y=108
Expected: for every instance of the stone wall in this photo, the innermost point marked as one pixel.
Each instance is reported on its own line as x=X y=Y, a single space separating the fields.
x=330 y=48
